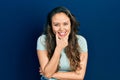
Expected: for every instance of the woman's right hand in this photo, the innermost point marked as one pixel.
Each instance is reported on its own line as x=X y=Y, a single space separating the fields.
x=61 y=42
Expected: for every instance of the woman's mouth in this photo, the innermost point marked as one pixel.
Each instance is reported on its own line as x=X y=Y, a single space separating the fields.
x=62 y=34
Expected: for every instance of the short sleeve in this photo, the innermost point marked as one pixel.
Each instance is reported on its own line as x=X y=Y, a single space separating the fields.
x=82 y=43
x=41 y=43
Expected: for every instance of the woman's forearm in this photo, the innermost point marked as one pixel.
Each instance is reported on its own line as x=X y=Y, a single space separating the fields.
x=68 y=76
x=51 y=67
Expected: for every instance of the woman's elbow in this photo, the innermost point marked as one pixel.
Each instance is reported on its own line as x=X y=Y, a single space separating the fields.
x=47 y=75
x=80 y=77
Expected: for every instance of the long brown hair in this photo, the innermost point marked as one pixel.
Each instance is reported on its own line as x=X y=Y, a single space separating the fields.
x=72 y=50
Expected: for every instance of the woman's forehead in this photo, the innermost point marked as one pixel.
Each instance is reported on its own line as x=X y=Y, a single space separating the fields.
x=60 y=17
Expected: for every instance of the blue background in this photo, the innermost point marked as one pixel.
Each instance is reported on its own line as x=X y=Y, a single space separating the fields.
x=22 y=21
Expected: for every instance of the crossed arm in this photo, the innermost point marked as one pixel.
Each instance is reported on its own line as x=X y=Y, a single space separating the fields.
x=48 y=67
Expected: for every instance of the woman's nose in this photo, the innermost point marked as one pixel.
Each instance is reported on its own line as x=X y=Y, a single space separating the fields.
x=61 y=27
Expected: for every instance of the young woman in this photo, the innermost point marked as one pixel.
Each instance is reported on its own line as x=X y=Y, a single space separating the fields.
x=62 y=53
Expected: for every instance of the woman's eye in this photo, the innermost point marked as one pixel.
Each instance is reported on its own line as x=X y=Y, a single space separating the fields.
x=56 y=24
x=65 y=24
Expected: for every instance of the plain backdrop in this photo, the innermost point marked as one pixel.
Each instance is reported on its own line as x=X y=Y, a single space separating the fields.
x=22 y=22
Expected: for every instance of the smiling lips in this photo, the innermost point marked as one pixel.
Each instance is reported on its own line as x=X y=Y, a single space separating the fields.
x=62 y=34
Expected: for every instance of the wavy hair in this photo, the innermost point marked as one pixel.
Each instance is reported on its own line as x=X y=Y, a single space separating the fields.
x=72 y=50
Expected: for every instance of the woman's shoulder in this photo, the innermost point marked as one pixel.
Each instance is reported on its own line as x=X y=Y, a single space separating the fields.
x=42 y=37
x=82 y=43
x=81 y=38
x=41 y=42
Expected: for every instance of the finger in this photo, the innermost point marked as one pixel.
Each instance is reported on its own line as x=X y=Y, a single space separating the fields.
x=66 y=37
x=40 y=70
x=57 y=37
x=41 y=73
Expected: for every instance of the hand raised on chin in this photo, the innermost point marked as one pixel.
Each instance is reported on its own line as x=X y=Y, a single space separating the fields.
x=61 y=42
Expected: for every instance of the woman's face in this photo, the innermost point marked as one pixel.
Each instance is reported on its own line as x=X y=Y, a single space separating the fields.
x=61 y=24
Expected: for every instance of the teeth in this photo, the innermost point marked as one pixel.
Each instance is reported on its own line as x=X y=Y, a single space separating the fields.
x=62 y=33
